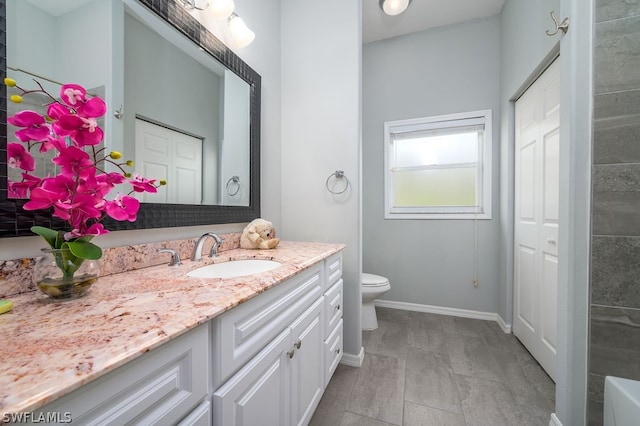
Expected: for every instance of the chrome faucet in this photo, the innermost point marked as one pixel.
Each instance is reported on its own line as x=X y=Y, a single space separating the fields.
x=175 y=256
x=197 y=251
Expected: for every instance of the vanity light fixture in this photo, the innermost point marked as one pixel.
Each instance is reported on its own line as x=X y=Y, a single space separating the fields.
x=394 y=7
x=242 y=35
x=218 y=9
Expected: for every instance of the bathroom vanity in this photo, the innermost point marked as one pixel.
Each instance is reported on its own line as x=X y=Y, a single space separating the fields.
x=154 y=346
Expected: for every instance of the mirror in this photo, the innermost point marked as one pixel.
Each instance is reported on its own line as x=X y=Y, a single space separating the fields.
x=183 y=94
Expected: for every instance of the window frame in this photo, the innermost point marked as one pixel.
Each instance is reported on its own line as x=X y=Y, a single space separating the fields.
x=483 y=188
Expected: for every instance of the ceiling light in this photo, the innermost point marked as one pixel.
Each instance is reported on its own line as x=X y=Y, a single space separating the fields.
x=394 y=7
x=242 y=35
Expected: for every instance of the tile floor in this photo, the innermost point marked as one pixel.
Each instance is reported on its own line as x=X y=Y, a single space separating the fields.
x=426 y=369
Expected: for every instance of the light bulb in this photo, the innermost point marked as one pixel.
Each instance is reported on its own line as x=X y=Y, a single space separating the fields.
x=395 y=7
x=221 y=9
x=242 y=35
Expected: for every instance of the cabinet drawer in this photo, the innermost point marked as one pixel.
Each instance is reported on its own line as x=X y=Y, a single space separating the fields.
x=242 y=332
x=333 y=352
x=333 y=269
x=333 y=307
x=160 y=387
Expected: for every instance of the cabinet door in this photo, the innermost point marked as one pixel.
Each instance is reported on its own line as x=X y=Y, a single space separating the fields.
x=201 y=416
x=258 y=394
x=307 y=366
x=158 y=388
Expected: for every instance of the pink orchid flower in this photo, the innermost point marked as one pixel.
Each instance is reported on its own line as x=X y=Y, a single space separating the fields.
x=21 y=189
x=74 y=162
x=77 y=193
x=95 y=188
x=142 y=184
x=76 y=97
x=19 y=158
x=35 y=126
x=16 y=189
x=123 y=207
x=52 y=142
x=83 y=207
x=73 y=94
x=83 y=131
x=94 y=230
x=51 y=191
x=112 y=178
x=56 y=110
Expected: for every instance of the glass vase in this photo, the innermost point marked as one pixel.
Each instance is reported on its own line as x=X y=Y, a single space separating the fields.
x=62 y=276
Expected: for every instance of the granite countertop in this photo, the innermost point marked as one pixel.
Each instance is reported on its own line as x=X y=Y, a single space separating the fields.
x=51 y=348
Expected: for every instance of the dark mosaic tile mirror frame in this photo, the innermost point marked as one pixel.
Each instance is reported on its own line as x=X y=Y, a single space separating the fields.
x=14 y=221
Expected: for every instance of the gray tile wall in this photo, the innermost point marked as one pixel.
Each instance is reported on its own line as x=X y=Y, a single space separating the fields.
x=614 y=347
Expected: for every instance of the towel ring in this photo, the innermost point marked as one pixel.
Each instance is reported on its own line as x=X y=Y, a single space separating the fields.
x=233 y=180
x=338 y=174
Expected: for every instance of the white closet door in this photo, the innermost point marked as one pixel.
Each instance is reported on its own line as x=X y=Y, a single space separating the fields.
x=536 y=217
x=162 y=153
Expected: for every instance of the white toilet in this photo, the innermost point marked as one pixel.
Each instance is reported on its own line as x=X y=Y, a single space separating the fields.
x=373 y=286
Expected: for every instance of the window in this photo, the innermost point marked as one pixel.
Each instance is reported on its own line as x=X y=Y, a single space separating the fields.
x=438 y=167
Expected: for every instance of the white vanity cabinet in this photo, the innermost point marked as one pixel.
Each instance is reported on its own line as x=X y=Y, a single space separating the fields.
x=160 y=387
x=282 y=338
x=265 y=362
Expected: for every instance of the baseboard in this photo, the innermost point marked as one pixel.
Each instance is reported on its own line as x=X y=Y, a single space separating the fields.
x=503 y=325
x=465 y=313
x=353 y=360
x=554 y=421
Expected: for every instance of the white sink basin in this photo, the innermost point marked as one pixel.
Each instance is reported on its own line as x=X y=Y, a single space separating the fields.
x=234 y=268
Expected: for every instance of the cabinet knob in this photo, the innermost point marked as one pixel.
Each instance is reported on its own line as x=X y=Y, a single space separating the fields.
x=338 y=350
x=297 y=344
x=337 y=307
x=551 y=241
x=291 y=353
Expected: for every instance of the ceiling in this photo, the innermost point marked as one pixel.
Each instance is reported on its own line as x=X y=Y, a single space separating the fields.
x=376 y=25
x=58 y=7
x=422 y=15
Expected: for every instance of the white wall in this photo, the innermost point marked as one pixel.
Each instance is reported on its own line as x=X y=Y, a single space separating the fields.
x=235 y=142
x=321 y=60
x=446 y=70
x=50 y=46
x=263 y=55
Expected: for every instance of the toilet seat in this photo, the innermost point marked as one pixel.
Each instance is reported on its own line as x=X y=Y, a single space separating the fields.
x=372 y=280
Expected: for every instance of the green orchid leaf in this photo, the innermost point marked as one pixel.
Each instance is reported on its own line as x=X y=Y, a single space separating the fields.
x=67 y=260
x=49 y=235
x=60 y=239
x=86 y=238
x=84 y=249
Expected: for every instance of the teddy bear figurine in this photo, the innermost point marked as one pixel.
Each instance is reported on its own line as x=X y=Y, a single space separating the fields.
x=259 y=234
